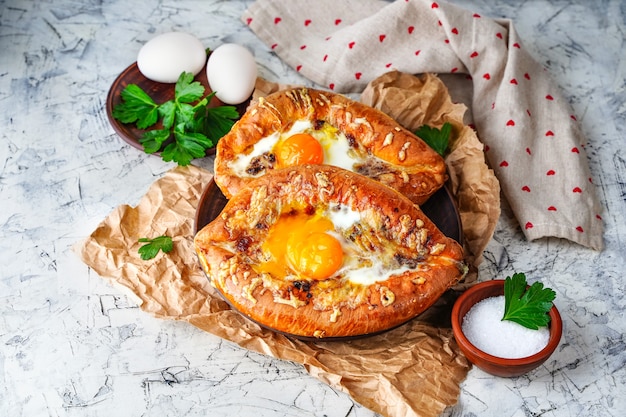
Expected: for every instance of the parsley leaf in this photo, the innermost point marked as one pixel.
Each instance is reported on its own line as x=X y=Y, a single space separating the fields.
x=187 y=90
x=153 y=140
x=437 y=139
x=528 y=307
x=153 y=246
x=186 y=120
x=136 y=106
x=219 y=121
x=186 y=147
x=167 y=111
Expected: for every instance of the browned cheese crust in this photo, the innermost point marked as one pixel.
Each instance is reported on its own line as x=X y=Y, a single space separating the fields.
x=392 y=228
x=394 y=155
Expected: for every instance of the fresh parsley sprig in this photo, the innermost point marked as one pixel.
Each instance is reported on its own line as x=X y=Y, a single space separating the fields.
x=153 y=246
x=437 y=139
x=187 y=119
x=527 y=306
x=136 y=107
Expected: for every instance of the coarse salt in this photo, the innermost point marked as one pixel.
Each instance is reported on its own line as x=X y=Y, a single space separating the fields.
x=484 y=328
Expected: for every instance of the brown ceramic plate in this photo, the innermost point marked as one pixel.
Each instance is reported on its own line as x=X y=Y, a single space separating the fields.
x=160 y=93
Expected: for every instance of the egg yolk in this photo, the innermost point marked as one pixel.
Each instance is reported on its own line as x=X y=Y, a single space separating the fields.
x=299 y=149
x=317 y=257
x=300 y=243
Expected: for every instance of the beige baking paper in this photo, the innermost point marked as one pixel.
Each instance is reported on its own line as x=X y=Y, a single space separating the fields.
x=413 y=370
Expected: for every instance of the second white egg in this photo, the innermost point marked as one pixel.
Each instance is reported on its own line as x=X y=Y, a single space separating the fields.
x=231 y=72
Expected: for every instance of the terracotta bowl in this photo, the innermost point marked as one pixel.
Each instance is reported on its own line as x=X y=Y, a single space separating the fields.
x=493 y=364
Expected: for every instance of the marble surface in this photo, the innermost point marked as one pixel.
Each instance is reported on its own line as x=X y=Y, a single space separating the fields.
x=71 y=345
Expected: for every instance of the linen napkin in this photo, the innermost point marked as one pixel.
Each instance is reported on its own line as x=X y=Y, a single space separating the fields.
x=531 y=137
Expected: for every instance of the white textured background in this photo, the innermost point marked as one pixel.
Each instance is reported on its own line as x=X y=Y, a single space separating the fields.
x=70 y=345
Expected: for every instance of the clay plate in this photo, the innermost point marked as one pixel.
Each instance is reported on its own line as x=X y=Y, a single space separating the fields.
x=160 y=93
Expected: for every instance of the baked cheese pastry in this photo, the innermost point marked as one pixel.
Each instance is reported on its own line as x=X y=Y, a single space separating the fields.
x=306 y=126
x=321 y=252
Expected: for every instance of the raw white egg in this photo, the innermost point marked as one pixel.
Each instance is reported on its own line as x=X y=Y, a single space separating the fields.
x=164 y=57
x=231 y=72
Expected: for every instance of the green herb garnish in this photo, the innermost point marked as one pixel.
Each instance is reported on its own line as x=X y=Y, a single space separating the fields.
x=528 y=307
x=437 y=139
x=136 y=106
x=153 y=246
x=187 y=119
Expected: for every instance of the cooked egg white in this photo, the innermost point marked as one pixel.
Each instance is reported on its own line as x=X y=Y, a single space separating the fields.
x=359 y=266
x=337 y=150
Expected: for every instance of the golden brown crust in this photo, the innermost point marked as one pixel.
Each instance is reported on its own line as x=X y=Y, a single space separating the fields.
x=395 y=156
x=391 y=226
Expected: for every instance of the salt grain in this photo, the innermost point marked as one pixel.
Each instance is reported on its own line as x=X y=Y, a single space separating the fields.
x=484 y=328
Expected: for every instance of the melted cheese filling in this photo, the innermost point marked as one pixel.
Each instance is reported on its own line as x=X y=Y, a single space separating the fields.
x=337 y=149
x=294 y=229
